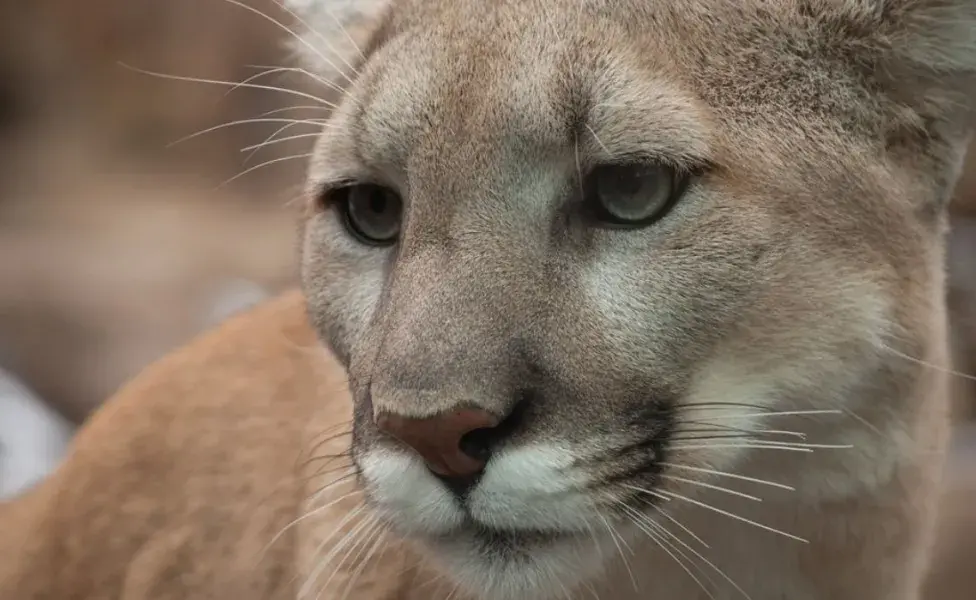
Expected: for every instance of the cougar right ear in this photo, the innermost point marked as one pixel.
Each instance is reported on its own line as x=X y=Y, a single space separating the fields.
x=921 y=52
x=333 y=33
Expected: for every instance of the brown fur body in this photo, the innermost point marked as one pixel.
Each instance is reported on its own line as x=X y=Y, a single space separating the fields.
x=132 y=515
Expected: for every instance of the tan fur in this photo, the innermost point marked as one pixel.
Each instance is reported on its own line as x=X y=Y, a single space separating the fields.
x=801 y=272
x=143 y=498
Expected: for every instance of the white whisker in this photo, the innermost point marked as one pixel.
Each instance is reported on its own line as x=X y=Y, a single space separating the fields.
x=337 y=481
x=301 y=40
x=377 y=538
x=351 y=536
x=272 y=142
x=664 y=530
x=719 y=427
x=253 y=86
x=354 y=552
x=641 y=522
x=265 y=164
x=736 y=517
x=316 y=572
x=805 y=445
x=247 y=122
x=453 y=594
x=712 y=487
x=680 y=525
x=345 y=32
x=307 y=515
x=740 y=446
x=929 y=365
x=285 y=109
x=614 y=536
x=729 y=475
x=278 y=131
x=324 y=40
x=272 y=69
x=798 y=445
x=657 y=495
x=760 y=443
x=605 y=149
x=781 y=413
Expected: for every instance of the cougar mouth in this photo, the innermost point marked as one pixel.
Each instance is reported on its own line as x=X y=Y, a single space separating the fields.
x=497 y=563
x=511 y=539
x=543 y=515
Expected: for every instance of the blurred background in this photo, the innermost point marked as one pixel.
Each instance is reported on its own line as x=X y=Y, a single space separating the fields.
x=120 y=239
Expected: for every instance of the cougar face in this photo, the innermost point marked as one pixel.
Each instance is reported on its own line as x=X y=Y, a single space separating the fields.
x=578 y=257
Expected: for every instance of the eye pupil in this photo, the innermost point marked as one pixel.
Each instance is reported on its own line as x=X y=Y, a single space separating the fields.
x=628 y=182
x=377 y=202
x=372 y=213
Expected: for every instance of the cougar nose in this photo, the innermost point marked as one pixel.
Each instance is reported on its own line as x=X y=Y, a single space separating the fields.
x=448 y=442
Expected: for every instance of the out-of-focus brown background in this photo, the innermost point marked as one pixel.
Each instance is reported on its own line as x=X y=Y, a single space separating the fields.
x=116 y=246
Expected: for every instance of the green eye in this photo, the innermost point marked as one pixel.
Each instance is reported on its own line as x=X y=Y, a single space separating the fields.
x=633 y=195
x=372 y=213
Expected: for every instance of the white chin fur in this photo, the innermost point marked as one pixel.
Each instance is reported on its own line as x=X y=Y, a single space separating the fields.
x=528 y=489
x=547 y=572
x=407 y=494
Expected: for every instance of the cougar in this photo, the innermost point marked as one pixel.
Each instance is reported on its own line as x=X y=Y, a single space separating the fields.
x=599 y=299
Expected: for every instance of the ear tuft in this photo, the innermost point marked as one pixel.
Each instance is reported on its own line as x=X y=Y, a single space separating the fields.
x=331 y=33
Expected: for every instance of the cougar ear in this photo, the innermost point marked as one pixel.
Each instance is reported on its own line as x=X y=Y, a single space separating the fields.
x=923 y=52
x=934 y=36
x=331 y=33
x=927 y=64
x=919 y=58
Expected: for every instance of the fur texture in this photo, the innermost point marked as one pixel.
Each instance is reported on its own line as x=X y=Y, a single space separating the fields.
x=746 y=399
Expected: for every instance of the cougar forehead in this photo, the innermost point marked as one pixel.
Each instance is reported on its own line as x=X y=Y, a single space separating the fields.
x=471 y=92
x=805 y=248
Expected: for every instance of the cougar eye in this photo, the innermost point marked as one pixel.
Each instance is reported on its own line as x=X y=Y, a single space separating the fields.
x=372 y=213
x=633 y=195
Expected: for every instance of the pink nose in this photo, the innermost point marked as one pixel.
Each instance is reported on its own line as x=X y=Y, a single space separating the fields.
x=438 y=439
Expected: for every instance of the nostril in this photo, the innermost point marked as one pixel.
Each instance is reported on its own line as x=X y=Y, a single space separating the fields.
x=456 y=444
x=477 y=443
x=440 y=439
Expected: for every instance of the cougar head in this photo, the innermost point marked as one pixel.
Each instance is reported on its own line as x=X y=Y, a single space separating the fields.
x=581 y=256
